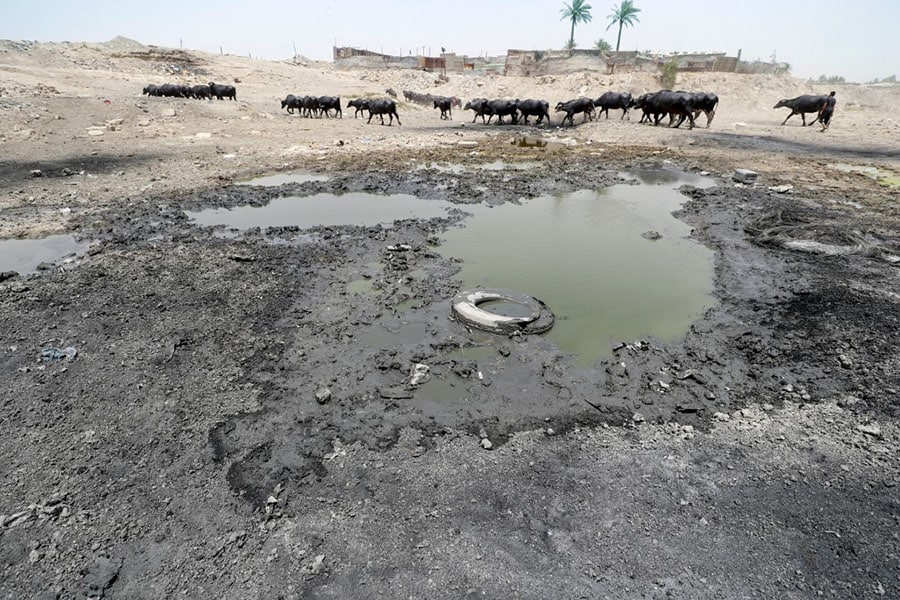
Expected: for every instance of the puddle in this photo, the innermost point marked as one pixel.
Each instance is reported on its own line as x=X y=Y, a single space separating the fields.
x=882 y=176
x=282 y=179
x=23 y=256
x=497 y=165
x=669 y=177
x=584 y=255
x=324 y=209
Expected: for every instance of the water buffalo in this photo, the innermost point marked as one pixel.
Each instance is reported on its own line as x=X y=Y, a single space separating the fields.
x=802 y=105
x=328 y=103
x=477 y=105
x=667 y=102
x=151 y=90
x=291 y=103
x=706 y=103
x=222 y=91
x=534 y=108
x=610 y=100
x=201 y=92
x=446 y=105
x=310 y=106
x=502 y=108
x=573 y=107
x=360 y=104
x=383 y=107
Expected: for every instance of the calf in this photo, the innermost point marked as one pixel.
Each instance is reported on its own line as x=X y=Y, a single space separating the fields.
x=383 y=107
x=573 y=107
x=535 y=108
x=328 y=103
x=222 y=91
x=360 y=105
x=610 y=100
x=802 y=105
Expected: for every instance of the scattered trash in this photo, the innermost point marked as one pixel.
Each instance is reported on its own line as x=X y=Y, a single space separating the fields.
x=399 y=248
x=781 y=189
x=50 y=354
x=744 y=176
x=419 y=374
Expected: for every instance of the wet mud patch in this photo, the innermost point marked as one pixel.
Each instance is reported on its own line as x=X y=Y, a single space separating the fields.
x=329 y=366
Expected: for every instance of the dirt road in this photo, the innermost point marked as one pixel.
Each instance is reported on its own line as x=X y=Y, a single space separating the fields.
x=227 y=428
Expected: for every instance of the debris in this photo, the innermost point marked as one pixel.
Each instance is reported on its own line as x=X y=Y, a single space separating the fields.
x=467 y=144
x=50 y=354
x=36 y=173
x=419 y=374
x=323 y=395
x=744 y=176
x=781 y=189
x=395 y=393
x=651 y=235
x=399 y=248
x=486 y=444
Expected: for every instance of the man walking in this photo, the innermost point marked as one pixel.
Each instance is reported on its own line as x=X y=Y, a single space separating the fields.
x=827 y=110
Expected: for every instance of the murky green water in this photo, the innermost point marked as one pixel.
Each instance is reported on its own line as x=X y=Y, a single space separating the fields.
x=324 y=209
x=584 y=255
x=23 y=256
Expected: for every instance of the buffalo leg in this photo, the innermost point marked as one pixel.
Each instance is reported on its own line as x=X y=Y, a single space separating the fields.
x=791 y=115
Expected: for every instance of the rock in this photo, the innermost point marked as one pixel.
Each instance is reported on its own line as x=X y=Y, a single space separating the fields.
x=651 y=235
x=637 y=418
x=36 y=173
x=720 y=416
x=203 y=135
x=101 y=576
x=317 y=566
x=845 y=361
x=96 y=131
x=467 y=144
x=486 y=444
x=167 y=112
x=870 y=429
x=744 y=176
x=143 y=122
x=781 y=189
x=323 y=395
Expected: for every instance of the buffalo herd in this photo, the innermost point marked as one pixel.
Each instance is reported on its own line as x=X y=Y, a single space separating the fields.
x=679 y=106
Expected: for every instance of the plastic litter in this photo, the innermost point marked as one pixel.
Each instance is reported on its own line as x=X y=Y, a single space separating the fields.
x=50 y=354
x=418 y=375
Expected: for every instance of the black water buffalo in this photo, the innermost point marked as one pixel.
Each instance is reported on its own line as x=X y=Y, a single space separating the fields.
x=360 y=104
x=667 y=102
x=220 y=91
x=573 y=107
x=446 y=105
x=502 y=108
x=706 y=103
x=151 y=90
x=416 y=97
x=201 y=92
x=534 y=108
x=329 y=103
x=617 y=100
x=310 y=106
x=802 y=105
x=383 y=107
x=477 y=105
x=292 y=103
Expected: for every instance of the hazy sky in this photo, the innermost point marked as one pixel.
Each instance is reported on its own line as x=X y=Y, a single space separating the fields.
x=859 y=41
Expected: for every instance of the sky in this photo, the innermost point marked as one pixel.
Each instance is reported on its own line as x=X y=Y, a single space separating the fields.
x=859 y=41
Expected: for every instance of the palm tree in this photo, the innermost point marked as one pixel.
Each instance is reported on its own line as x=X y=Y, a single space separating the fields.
x=624 y=14
x=578 y=12
x=603 y=46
